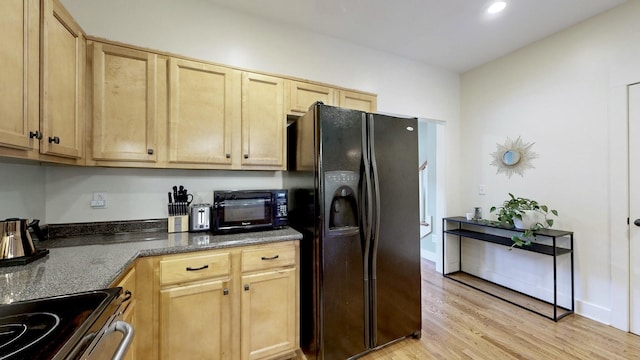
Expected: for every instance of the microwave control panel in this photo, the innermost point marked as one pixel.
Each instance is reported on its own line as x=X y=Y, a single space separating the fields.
x=281 y=203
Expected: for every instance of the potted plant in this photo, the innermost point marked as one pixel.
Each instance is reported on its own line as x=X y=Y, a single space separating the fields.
x=523 y=214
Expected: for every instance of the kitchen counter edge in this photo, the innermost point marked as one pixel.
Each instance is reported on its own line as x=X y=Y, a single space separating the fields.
x=94 y=262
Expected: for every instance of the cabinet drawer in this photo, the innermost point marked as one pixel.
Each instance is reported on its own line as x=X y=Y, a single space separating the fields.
x=197 y=267
x=268 y=258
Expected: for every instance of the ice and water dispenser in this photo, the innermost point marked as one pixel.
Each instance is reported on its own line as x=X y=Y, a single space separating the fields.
x=341 y=214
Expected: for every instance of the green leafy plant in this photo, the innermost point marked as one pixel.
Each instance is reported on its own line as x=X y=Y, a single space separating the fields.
x=515 y=208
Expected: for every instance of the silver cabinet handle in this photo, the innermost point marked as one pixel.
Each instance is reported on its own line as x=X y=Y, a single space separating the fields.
x=127 y=330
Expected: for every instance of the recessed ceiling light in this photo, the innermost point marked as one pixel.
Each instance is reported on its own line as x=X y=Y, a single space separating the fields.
x=496 y=7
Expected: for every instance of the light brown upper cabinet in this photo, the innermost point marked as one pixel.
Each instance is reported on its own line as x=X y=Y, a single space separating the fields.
x=139 y=107
x=358 y=101
x=204 y=106
x=19 y=71
x=263 y=122
x=302 y=95
x=124 y=104
x=63 y=52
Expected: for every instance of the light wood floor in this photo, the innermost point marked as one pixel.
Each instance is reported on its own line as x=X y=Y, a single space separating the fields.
x=459 y=322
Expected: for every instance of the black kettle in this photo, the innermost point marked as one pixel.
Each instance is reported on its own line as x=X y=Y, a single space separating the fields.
x=15 y=240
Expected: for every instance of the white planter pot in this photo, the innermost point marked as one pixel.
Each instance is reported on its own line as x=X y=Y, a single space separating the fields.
x=529 y=219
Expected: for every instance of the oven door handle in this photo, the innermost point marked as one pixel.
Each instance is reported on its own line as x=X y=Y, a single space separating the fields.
x=126 y=329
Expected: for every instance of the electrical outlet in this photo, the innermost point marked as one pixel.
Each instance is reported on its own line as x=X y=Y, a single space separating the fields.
x=482 y=189
x=99 y=200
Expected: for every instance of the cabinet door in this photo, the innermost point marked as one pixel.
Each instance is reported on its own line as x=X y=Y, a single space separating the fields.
x=63 y=67
x=195 y=321
x=358 y=101
x=263 y=121
x=268 y=315
x=124 y=104
x=303 y=95
x=128 y=283
x=202 y=112
x=19 y=71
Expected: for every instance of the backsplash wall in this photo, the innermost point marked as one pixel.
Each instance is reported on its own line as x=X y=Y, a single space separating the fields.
x=134 y=194
x=22 y=193
x=62 y=194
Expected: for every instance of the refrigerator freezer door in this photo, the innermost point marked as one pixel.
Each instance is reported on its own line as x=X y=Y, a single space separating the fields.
x=344 y=295
x=396 y=249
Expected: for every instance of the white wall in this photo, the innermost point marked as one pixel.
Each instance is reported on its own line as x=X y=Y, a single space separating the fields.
x=201 y=30
x=137 y=193
x=22 y=193
x=554 y=93
x=198 y=29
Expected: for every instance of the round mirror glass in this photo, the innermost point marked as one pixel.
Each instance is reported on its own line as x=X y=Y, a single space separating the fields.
x=511 y=157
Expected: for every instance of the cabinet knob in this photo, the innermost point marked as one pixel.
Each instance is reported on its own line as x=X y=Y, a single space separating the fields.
x=246 y=287
x=225 y=291
x=227 y=155
x=150 y=151
x=636 y=222
x=35 y=134
x=246 y=156
x=55 y=140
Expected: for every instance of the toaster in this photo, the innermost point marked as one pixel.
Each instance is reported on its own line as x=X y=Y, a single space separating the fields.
x=200 y=217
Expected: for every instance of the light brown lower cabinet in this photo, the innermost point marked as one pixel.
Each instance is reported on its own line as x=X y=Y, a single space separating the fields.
x=195 y=321
x=233 y=303
x=268 y=314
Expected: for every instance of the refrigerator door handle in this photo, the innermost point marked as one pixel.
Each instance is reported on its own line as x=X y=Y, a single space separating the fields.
x=366 y=224
x=376 y=231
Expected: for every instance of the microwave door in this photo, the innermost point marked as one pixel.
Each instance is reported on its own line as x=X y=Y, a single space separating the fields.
x=245 y=213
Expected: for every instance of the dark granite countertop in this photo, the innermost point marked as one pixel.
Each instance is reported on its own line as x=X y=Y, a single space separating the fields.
x=84 y=263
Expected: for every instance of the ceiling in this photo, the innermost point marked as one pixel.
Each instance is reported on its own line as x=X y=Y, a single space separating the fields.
x=454 y=34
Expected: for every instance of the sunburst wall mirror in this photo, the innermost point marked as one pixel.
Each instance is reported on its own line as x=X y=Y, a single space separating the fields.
x=514 y=157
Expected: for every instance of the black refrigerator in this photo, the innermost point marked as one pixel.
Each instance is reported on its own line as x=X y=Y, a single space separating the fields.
x=353 y=185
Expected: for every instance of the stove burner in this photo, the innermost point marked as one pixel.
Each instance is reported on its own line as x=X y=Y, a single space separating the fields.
x=19 y=332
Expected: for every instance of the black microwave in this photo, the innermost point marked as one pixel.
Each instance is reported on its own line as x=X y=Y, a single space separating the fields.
x=248 y=210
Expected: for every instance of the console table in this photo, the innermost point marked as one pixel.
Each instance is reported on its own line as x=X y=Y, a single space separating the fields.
x=483 y=230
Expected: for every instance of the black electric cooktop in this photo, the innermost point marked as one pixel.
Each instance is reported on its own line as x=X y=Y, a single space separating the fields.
x=53 y=328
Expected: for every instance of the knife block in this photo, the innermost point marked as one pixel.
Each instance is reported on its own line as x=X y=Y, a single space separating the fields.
x=179 y=223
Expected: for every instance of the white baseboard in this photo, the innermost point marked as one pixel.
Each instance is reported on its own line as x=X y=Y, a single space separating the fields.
x=593 y=312
x=431 y=256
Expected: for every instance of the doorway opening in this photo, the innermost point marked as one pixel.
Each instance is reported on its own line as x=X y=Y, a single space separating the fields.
x=431 y=174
